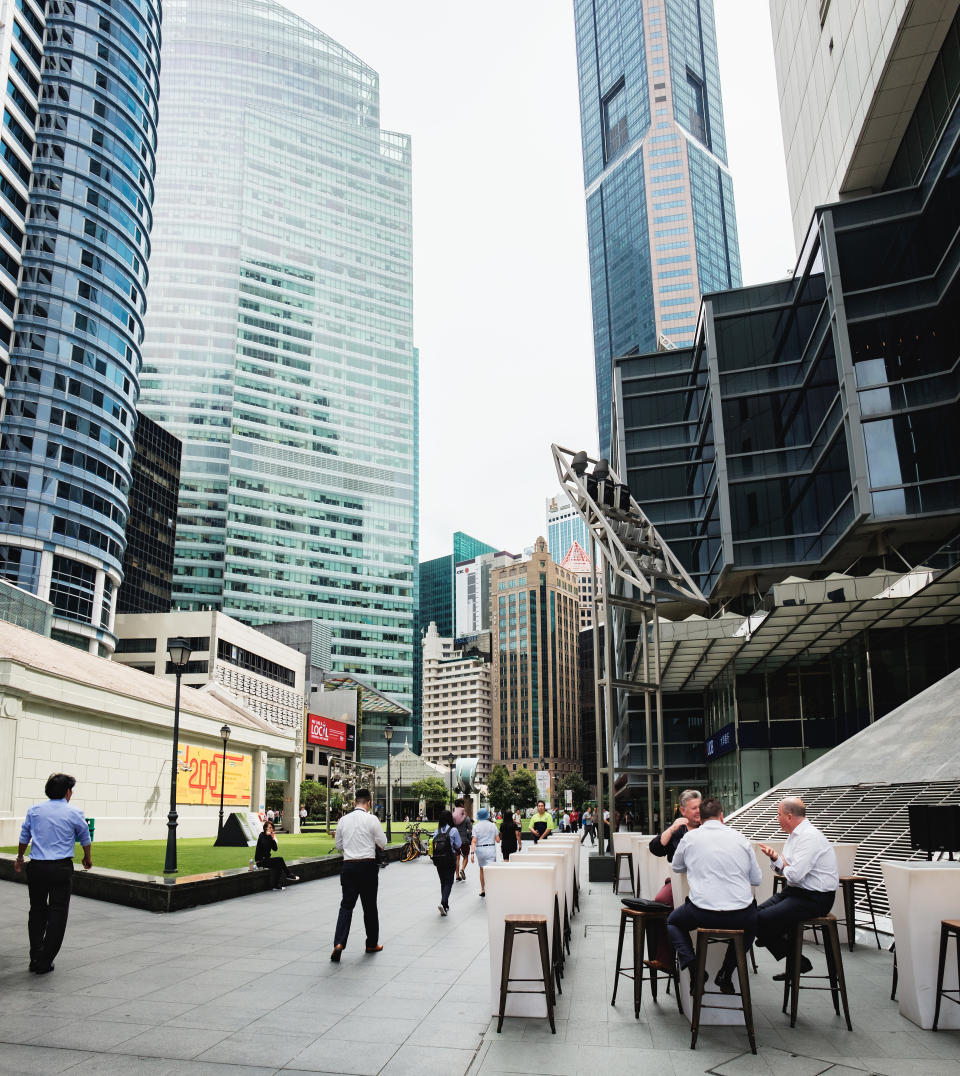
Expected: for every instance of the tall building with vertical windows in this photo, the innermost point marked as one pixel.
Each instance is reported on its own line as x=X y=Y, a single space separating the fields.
x=67 y=429
x=660 y=216
x=536 y=707
x=565 y=526
x=280 y=333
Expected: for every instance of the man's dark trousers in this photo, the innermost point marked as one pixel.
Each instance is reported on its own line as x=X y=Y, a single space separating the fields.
x=688 y=917
x=358 y=878
x=49 y=882
x=777 y=916
x=445 y=870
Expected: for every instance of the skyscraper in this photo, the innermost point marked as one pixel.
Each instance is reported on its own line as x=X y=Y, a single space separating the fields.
x=280 y=333
x=660 y=217
x=565 y=526
x=70 y=410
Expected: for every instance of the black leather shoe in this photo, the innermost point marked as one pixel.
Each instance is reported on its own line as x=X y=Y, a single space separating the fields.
x=805 y=966
x=724 y=981
x=335 y=955
x=42 y=969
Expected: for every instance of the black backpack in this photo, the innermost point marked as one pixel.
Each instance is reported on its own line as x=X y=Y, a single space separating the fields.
x=442 y=846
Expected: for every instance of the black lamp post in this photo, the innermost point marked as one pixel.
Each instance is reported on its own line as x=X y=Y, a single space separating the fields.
x=178 y=650
x=388 y=736
x=224 y=735
x=451 y=758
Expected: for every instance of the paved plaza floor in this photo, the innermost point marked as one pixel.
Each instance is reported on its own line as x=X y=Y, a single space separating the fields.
x=247 y=987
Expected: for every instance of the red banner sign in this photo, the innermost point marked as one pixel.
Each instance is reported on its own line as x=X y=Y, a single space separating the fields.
x=325 y=732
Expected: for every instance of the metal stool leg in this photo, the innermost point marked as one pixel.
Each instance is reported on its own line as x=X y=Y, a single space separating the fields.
x=637 y=965
x=699 y=967
x=849 y=912
x=941 y=964
x=873 y=918
x=545 y=969
x=831 y=969
x=745 y=1001
x=834 y=940
x=893 y=985
x=505 y=971
x=794 y=978
x=616 y=977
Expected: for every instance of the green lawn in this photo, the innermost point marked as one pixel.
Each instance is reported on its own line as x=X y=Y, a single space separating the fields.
x=196 y=855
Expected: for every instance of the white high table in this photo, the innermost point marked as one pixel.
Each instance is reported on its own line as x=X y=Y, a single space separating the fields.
x=521 y=888
x=570 y=843
x=564 y=855
x=921 y=894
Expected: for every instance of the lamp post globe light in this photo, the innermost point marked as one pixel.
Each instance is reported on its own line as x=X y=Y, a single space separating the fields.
x=178 y=651
x=451 y=758
x=224 y=735
x=388 y=736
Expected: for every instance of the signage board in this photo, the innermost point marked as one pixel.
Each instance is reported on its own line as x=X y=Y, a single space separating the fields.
x=199 y=772
x=721 y=743
x=325 y=732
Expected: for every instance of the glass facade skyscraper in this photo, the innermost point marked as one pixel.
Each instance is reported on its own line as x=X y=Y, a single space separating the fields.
x=70 y=410
x=660 y=216
x=280 y=333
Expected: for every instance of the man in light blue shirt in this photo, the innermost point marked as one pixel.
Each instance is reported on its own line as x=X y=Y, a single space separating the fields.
x=720 y=868
x=51 y=829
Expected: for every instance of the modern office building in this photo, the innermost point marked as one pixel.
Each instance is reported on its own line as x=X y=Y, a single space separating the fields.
x=67 y=431
x=536 y=705
x=564 y=527
x=266 y=675
x=472 y=591
x=804 y=469
x=577 y=562
x=457 y=704
x=152 y=523
x=661 y=225
x=280 y=333
x=851 y=75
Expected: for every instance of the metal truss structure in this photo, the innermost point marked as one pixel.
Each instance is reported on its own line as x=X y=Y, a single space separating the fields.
x=639 y=570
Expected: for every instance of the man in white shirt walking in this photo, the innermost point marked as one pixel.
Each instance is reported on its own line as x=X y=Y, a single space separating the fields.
x=720 y=868
x=359 y=834
x=809 y=865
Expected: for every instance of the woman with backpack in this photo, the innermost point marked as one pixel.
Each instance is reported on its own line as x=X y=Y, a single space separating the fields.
x=445 y=852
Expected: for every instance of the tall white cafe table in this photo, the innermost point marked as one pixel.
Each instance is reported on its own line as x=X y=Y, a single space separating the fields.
x=565 y=896
x=519 y=889
x=921 y=894
x=570 y=844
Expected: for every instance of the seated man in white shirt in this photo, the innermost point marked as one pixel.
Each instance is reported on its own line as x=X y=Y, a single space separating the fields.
x=720 y=868
x=809 y=865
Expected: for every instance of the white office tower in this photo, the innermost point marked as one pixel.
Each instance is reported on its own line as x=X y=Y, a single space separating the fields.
x=457 y=703
x=565 y=526
x=472 y=591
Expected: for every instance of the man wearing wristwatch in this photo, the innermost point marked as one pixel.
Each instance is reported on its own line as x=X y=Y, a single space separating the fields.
x=51 y=830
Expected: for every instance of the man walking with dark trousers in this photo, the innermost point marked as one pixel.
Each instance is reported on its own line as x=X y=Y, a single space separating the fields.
x=51 y=830
x=359 y=834
x=809 y=865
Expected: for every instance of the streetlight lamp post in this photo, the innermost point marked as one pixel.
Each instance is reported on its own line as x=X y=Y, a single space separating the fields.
x=224 y=735
x=178 y=650
x=388 y=736
x=451 y=758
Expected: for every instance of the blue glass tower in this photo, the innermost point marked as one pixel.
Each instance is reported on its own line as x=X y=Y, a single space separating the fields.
x=70 y=413
x=660 y=215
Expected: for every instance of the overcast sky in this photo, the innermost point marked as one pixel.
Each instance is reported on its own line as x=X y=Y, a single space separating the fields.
x=488 y=93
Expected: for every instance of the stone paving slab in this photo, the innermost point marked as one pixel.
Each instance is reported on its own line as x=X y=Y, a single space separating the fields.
x=246 y=987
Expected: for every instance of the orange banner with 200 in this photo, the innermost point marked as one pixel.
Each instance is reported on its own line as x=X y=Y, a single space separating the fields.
x=199 y=773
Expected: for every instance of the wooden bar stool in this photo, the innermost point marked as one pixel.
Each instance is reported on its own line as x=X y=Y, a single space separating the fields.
x=949 y=928
x=621 y=856
x=641 y=970
x=705 y=938
x=848 y=885
x=526 y=924
x=794 y=983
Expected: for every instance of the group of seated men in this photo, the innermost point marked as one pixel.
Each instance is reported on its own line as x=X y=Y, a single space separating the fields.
x=721 y=868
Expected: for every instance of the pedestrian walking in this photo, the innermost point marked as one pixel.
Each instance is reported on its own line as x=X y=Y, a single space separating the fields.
x=483 y=846
x=510 y=830
x=51 y=830
x=589 y=827
x=445 y=853
x=303 y=815
x=359 y=835
x=464 y=825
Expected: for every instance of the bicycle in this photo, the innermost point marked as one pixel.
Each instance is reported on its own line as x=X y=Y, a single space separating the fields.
x=415 y=845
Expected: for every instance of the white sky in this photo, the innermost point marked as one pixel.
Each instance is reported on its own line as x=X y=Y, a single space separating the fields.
x=489 y=94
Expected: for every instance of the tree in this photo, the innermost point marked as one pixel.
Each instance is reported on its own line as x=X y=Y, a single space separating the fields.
x=500 y=789
x=313 y=796
x=430 y=789
x=523 y=784
x=273 y=800
x=578 y=786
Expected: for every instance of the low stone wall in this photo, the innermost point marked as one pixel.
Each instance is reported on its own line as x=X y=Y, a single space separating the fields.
x=154 y=893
